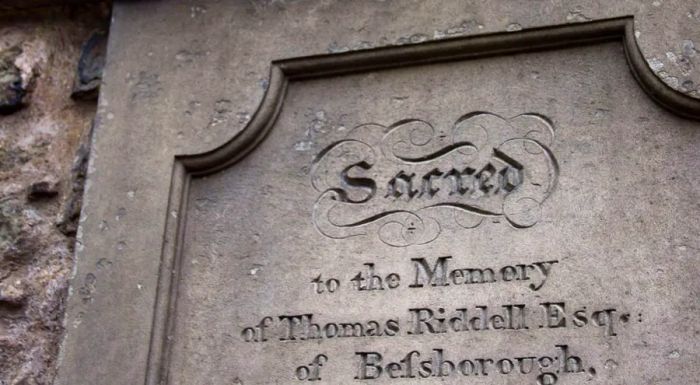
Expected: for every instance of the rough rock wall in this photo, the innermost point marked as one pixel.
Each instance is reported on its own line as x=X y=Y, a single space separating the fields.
x=43 y=152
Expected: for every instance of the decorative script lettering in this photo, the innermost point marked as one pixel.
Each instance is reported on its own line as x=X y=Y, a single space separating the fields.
x=408 y=182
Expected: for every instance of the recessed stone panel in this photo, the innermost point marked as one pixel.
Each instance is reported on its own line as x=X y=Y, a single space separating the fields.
x=509 y=219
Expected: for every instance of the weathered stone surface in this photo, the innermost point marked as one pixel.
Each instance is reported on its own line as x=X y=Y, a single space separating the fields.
x=68 y=223
x=90 y=65
x=532 y=162
x=11 y=89
x=45 y=189
x=15 y=5
x=38 y=144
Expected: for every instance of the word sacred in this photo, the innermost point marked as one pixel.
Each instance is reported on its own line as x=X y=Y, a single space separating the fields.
x=489 y=180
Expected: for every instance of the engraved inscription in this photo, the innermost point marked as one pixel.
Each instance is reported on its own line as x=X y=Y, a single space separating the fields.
x=408 y=182
x=423 y=321
x=373 y=226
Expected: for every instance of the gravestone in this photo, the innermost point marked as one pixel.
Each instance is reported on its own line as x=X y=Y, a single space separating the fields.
x=516 y=207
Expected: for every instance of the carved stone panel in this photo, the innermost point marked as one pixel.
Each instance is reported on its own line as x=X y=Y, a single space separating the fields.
x=508 y=209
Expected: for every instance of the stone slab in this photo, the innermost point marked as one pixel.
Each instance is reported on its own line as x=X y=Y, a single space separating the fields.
x=550 y=174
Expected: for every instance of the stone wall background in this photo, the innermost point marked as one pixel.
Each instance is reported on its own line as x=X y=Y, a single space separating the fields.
x=43 y=152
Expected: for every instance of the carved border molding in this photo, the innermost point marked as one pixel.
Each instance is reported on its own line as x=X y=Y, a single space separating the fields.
x=282 y=72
